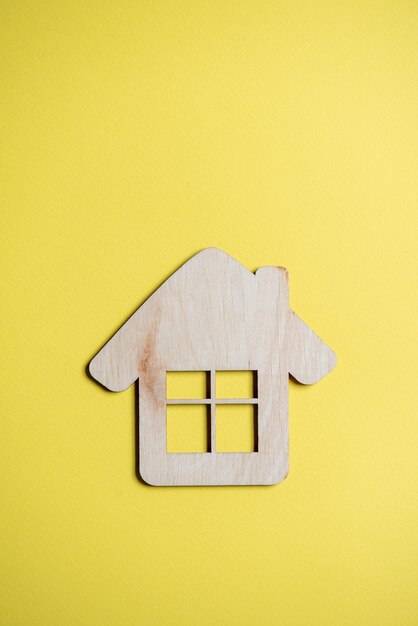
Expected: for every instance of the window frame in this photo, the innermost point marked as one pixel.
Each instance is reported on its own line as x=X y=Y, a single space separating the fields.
x=212 y=401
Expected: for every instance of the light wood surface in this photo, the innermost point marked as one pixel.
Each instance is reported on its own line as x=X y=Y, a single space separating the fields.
x=212 y=315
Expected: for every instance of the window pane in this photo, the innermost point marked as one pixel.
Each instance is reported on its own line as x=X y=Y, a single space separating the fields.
x=187 y=428
x=236 y=428
x=187 y=385
x=236 y=384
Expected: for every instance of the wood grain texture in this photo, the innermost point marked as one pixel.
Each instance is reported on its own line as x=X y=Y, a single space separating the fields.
x=213 y=314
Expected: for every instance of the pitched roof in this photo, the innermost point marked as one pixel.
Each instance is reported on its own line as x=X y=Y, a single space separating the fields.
x=211 y=276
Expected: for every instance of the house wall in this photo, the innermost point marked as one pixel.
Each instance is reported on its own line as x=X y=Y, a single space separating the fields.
x=240 y=323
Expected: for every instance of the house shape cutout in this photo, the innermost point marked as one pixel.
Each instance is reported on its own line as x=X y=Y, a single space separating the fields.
x=211 y=315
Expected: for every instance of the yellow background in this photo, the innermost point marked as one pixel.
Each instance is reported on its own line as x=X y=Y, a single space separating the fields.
x=134 y=134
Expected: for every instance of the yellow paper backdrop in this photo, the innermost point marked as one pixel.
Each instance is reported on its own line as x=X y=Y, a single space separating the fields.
x=134 y=134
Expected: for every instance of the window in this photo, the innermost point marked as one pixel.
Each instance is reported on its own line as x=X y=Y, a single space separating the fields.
x=187 y=428
x=214 y=411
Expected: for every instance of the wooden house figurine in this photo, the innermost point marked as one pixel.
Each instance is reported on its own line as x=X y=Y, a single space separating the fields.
x=213 y=315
